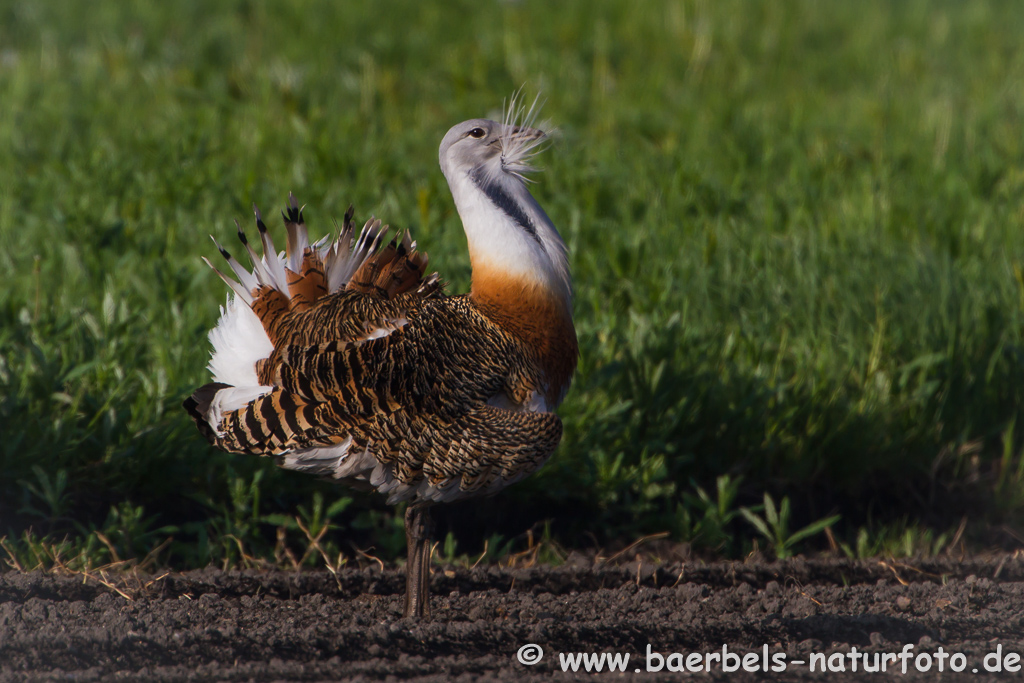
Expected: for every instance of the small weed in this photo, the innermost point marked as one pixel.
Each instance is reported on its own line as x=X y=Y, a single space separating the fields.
x=128 y=534
x=706 y=522
x=774 y=526
x=313 y=523
x=52 y=492
x=899 y=540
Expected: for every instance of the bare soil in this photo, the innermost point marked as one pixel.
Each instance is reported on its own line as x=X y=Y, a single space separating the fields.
x=288 y=626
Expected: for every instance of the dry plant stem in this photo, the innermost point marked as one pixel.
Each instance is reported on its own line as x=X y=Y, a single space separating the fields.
x=314 y=543
x=13 y=561
x=636 y=543
x=419 y=528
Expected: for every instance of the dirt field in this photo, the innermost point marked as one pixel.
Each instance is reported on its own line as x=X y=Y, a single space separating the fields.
x=271 y=626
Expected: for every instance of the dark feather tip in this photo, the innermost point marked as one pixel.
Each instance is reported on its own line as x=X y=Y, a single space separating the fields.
x=292 y=215
x=259 y=219
x=241 y=234
x=222 y=250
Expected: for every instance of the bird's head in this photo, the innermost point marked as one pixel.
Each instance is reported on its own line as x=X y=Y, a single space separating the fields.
x=514 y=248
x=488 y=149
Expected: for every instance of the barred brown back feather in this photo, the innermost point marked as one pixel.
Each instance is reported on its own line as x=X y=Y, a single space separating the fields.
x=310 y=283
x=395 y=270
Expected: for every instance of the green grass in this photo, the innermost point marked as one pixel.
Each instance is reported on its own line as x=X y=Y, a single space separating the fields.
x=795 y=234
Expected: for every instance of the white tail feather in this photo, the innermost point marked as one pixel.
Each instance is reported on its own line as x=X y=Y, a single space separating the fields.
x=259 y=270
x=239 y=341
x=235 y=287
x=344 y=261
x=247 y=279
x=298 y=236
x=275 y=267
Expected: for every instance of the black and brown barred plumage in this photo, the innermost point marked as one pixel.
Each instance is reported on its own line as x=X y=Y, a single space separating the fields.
x=345 y=360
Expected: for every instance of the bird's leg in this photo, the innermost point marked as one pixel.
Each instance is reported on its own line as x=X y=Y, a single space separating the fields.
x=419 y=528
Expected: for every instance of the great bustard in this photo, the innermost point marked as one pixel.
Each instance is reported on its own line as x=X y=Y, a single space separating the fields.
x=343 y=360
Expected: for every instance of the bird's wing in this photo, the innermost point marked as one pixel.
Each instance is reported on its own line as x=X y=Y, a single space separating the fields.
x=438 y=366
x=407 y=413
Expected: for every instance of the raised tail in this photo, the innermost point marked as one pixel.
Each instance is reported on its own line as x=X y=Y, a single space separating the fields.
x=281 y=286
x=305 y=272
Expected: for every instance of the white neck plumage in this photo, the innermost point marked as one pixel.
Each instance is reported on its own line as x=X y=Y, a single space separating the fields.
x=510 y=236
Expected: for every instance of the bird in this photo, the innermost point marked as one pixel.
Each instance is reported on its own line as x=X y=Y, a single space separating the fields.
x=344 y=359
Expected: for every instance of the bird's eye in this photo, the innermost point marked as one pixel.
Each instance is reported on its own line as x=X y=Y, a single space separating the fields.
x=477 y=133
